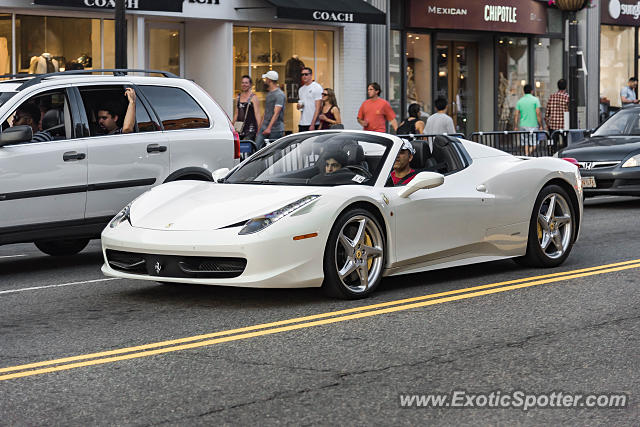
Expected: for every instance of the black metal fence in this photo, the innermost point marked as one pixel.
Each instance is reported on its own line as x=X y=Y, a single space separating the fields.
x=564 y=138
x=519 y=143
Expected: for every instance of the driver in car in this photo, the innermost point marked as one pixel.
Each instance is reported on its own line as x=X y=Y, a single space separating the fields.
x=402 y=172
x=334 y=162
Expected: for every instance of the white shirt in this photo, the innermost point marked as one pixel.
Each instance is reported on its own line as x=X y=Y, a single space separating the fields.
x=308 y=95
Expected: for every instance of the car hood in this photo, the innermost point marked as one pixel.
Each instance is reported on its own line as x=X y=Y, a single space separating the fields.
x=190 y=205
x=603 y=148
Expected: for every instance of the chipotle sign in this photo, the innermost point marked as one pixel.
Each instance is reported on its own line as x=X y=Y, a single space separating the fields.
x=513 y=16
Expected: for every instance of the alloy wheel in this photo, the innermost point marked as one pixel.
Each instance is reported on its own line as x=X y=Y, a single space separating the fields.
x=358 y=256
x=554 y=225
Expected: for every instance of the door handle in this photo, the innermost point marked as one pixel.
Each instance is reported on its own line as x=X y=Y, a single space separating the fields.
x=73 y=155
x=482 y=188
x=156 y=148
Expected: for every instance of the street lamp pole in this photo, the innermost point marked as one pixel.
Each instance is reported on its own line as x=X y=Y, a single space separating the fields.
x=573 y=70
x=121 y=34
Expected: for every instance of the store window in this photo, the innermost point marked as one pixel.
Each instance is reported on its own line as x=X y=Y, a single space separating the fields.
x=616 y=61
x=46 y=44
x=419 y=71
x=258 y=50
x=164 y=47
x=513 y=74
x=5 y=43
x=548 y=56
x=395 y=74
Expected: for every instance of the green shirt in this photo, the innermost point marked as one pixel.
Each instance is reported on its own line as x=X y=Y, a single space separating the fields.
x=527 y=106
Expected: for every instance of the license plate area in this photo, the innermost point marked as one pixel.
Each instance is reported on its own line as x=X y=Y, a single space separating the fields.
x=588 y=182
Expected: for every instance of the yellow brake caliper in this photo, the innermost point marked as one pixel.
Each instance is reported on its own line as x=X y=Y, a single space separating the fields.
x=367 y=241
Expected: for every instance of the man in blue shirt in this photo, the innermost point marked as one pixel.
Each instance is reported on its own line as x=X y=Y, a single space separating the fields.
x=628 y=93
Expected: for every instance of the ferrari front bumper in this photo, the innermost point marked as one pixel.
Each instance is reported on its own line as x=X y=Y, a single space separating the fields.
x=273 y=258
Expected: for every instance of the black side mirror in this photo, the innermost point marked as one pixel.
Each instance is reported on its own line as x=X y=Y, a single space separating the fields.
x=16 y=135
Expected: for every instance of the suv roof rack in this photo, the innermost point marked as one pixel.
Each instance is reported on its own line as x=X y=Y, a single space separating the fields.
x=37 y=78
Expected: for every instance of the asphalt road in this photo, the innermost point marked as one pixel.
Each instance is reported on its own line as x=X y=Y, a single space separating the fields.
x=572 y=333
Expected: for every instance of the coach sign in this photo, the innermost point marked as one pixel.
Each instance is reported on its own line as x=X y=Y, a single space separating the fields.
x=512 y=16
x=155 y=5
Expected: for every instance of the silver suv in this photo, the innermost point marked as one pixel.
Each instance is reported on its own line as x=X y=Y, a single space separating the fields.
x=61 y=190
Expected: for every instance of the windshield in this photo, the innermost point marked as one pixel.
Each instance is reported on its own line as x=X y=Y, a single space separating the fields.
x=322 y=159
x=625 y=122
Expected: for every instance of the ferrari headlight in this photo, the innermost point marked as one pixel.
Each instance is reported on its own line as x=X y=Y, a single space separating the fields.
x=259 y=223
x=122 y=216
x=632 y=162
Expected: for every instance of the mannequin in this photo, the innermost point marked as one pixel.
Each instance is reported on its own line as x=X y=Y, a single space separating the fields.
x=43 y=64
x=293 y=68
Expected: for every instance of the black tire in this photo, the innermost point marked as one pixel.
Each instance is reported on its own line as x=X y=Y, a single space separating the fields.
x=62 y=247
x=368 y=250
x=550 y=237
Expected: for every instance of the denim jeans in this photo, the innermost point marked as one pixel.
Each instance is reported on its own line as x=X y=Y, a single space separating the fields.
x=260 y=138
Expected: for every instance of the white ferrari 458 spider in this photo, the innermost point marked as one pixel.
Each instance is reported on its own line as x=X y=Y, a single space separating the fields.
x=327 y=208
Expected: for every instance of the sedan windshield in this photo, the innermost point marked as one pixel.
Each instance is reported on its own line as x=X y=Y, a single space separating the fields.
x=625 y=122
x=319 y=158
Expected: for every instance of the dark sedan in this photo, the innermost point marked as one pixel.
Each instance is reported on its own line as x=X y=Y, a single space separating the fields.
x=609 y=159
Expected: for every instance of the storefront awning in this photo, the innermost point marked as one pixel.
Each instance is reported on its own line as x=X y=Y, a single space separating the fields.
x=351 y=11
x=155 y=5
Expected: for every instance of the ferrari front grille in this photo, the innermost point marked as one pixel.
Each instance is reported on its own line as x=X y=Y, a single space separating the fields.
x=176 y=266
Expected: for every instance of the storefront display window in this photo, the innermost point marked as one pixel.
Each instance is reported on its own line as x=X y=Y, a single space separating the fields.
x=616 y=61
x=5 y=44
x=46 y=44
x=395 y=73
x=419 y=71
x=258 y=50
x=547 y=68
x=513 y=74
x=164 y=49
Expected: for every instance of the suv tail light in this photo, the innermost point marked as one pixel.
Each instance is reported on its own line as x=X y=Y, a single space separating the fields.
x=236 y=141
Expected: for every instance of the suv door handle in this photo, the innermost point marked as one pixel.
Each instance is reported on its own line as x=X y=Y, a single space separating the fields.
x=156 y=148
x=73 y=155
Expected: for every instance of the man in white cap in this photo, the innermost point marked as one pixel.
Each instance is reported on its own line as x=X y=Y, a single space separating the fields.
x=272 y=126
x=402 y=172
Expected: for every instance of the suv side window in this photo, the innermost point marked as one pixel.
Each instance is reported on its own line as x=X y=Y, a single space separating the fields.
x=48 y=112
x=176 y=108
x=111 y=98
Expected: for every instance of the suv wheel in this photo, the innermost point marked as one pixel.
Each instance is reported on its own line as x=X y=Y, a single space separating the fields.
x=62 y=247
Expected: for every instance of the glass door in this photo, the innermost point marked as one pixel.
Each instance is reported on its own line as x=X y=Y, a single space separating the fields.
x=164 y=47
x=457 y=82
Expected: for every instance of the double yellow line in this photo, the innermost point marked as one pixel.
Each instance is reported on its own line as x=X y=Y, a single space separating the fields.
x=162 y=347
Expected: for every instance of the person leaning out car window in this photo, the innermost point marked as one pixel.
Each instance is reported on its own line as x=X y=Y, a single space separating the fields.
x=108 y=116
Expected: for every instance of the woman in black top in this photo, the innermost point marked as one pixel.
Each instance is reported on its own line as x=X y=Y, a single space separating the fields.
x=330 y=114
x=413 y=125
x=247 y=110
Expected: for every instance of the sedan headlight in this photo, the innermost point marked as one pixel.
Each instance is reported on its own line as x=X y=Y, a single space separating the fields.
x=122 y=216
x=260 y=223
x=632 y=162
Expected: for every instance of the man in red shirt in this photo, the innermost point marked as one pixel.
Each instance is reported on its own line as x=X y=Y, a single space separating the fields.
x=375 y=111
x=402 y=172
